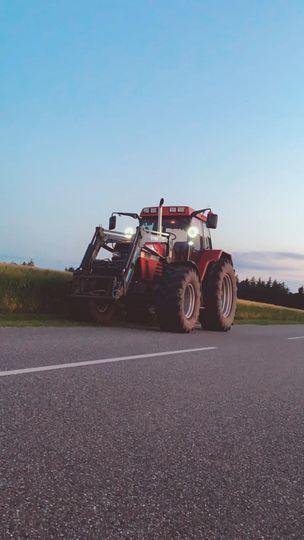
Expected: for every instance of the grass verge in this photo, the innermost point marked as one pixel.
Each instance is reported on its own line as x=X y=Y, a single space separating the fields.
x=20 y=320
x=258 y=313
x=247 y=313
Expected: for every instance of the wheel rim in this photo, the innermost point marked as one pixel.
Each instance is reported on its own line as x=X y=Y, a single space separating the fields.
x=189 y=300
x=227 y=295
x=101 y=307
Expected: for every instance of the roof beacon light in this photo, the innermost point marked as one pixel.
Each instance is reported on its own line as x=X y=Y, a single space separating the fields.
x=172 y=208
x=153 y=210
x=181 y=209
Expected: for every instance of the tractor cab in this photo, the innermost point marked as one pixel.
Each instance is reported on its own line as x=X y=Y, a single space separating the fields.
x=189 y=229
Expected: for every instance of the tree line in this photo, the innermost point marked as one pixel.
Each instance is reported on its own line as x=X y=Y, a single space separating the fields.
x=270 y=292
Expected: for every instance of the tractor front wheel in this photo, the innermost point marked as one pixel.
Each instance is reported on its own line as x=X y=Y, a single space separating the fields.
x=178 y=299
x=219 y=297
x=102 y=312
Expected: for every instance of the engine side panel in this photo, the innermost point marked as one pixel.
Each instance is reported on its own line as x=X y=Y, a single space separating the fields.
x=151 y=266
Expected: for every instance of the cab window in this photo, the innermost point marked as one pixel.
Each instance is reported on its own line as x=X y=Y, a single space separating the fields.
x=179 y=227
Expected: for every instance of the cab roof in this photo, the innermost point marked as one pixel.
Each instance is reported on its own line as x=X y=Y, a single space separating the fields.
x=171 y=211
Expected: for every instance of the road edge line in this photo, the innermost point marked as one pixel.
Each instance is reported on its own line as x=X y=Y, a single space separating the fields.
x=54 y=367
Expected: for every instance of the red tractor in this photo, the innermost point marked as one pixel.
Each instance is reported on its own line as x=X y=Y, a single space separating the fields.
x=166 y=266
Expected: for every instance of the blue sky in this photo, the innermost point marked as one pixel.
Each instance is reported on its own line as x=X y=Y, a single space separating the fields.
x=111 y=104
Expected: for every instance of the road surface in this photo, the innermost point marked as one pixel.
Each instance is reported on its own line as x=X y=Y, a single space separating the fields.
x=134 y=439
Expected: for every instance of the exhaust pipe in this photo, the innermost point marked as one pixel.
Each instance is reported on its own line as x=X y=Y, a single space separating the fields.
x=160 y=216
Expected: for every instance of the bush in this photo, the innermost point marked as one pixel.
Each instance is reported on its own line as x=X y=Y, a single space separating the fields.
x=26 y=289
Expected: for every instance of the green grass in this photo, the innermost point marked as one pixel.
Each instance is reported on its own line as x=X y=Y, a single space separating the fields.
x=32 y=290
x=258 y=313
x=247 y=313
x=20 y=320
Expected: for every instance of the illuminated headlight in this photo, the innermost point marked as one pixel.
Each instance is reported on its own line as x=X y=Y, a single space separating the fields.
x=129 y=232
x=193 y=232
x=190 y=243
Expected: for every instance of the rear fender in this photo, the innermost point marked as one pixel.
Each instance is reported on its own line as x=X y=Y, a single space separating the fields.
x=210 y=256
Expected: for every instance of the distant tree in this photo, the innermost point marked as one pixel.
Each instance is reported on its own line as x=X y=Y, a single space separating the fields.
x=29 y=263
x=271 y=292
x=69 y=269
x=269 y=283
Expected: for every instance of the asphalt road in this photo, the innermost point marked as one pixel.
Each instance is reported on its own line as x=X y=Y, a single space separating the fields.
x=202 y=444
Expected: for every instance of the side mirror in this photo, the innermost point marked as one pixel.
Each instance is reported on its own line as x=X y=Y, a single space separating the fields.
x=212 y=220
x=112 y=223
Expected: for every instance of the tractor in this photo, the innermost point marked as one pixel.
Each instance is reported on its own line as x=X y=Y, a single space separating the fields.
x=166 y=266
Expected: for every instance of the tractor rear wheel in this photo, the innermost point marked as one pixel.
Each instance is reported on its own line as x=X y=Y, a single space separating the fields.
x=102 y=312
x=178 y=299
x=219 y=297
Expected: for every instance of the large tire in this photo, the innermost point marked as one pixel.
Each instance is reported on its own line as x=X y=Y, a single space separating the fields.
x=101 y=312
x=178 y=299
x=219 y=297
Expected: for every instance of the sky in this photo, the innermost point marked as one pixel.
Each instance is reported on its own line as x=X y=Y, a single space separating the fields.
x=111 y=104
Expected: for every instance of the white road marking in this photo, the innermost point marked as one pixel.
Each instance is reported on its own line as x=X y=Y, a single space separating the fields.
x=297 y=337
x=101 y=361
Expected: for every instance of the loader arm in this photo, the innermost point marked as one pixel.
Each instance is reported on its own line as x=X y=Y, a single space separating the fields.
x=112 y=280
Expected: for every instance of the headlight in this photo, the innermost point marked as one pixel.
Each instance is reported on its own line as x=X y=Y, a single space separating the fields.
x=129 y=232
x=193 y=232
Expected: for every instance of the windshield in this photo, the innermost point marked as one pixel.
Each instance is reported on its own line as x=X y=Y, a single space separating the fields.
x=178 y=227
